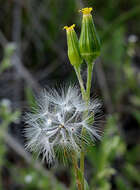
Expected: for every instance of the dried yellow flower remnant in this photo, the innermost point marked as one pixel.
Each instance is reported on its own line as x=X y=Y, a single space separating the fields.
x=86 y=10
x=69 y=27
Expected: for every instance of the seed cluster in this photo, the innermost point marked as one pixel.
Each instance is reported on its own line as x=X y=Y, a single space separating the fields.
x=57 y=122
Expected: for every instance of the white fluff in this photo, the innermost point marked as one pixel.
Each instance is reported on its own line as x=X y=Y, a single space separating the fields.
x=57 y=122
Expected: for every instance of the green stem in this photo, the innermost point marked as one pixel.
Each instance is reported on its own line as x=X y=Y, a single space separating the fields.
x=89 y=79
x=78 y=182
x=82 y=159
x=83 y=91
x=86 y=97
x=88 y=87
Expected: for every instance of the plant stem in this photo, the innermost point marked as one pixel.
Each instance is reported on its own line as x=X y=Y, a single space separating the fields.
x=86 y=97
x=88 y=87
x=83 y=91
x=78 y=182
x=82 y=159
x=89 y=79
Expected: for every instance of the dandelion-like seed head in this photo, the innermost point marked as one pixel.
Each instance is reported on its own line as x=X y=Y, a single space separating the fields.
x=57 y=122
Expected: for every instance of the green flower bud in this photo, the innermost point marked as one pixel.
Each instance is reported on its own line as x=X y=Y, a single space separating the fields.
x=89 y=42
x=73 y=46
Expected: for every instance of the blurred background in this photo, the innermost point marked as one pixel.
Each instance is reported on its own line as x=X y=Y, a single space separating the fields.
x=33 y=55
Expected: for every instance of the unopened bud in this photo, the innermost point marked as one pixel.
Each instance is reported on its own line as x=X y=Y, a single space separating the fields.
x=89 y=42
x=73 y=46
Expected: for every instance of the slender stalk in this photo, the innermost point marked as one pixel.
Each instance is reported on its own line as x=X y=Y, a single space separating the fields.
x=78 y=182
x=87 y=97
x=82 y=159
x=89 y=79
x=83 y=91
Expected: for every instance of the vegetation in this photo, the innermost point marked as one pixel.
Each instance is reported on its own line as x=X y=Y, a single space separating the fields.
x=34 y=55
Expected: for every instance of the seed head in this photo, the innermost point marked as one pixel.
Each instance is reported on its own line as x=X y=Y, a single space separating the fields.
x=57 y=123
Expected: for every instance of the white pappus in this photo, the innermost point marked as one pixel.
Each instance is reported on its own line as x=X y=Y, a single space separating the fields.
x=57 y=122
